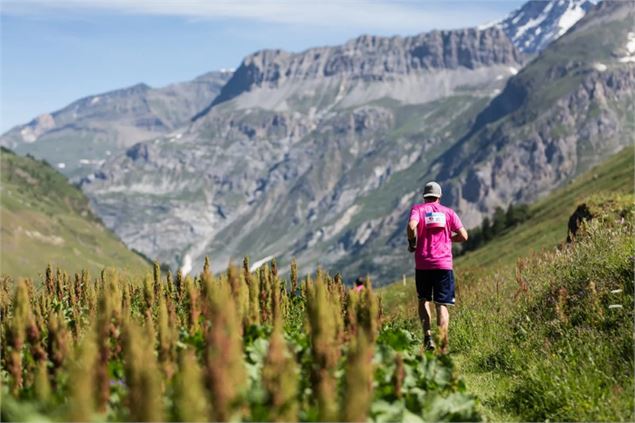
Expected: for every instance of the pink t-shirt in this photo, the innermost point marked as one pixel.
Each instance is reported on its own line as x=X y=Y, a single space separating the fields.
x=436 y=223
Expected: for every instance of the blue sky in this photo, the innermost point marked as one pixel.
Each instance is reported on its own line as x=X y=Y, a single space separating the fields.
x=53 y=52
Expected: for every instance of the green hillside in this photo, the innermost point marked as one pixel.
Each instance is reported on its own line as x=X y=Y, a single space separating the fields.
x=44 y=219
x=519 y=352
x=548 y=225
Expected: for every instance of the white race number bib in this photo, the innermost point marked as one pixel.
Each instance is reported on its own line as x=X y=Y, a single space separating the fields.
x=435 y=220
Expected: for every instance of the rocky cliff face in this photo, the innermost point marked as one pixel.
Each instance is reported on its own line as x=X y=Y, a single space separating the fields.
x=279 y=161
x=567 y=110
x=526 y=161
x=408 y=69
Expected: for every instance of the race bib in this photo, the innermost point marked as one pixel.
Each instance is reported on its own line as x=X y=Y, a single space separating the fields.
x=435 y=220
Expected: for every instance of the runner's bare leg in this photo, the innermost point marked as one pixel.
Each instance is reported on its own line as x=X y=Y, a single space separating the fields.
x=425 y=316
x=443 y=321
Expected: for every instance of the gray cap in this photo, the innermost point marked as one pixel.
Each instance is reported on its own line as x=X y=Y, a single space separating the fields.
x=432 y=189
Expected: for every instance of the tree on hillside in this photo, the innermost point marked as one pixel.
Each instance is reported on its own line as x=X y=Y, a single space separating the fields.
x=486 y=229
x=498 y=221
x=501 y=221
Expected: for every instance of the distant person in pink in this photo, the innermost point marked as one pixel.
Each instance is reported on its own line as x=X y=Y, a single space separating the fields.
x=359 y=284
x=431 y=230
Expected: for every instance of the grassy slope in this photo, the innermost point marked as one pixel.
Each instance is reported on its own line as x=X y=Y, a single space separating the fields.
x=548 y=225
x=489 y=271
x=45 y=219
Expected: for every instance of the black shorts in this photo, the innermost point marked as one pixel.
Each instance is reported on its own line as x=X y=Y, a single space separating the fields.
x=435 y=285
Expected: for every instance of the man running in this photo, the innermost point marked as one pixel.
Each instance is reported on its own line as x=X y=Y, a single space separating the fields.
x=431 y=230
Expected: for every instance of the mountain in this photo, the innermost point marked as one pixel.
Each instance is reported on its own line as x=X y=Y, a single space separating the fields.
x=537 y=23
x=564 y=112
x=567 y=110
x=44 y=219
x=402 y=66
x=319 y=154
x=82 y=135
x=279 y=161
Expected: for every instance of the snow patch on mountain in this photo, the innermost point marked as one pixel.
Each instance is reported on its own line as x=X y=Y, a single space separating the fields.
x=630 y=48
x=630 y=42
x=572 y=15
x=600 y=67
x=537 y=23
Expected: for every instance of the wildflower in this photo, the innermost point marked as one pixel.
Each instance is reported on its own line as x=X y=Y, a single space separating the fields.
x=190 y=401
x=48 y=281
x=399 y=374
x=351 y=301
x=148 y=292
x=224 y=367
x=16 y=335
x=264 y=293
x=368 y=311
x=294 y=277
x=58 y=340
x=322 y=321
x=59 y=284
x=150 y=332
x=254 y=294
x=103 y=350
x=194 y=310
x=81 y=381
x=280 y=378
x=207 y=269
x=144 y=393
x=126 y=303
x=167 y=340
x=33 y=336
x=41 y=384
x=240 y=294
x=359 y=380
x=180 y=292
x=158 y=289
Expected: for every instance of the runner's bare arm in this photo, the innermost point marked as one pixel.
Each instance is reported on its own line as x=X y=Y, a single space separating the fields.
x=460 y=236
x=411 y=230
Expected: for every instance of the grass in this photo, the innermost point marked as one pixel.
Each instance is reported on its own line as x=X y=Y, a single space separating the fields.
x=567 y=353
x=513 y=353
x=45 y=220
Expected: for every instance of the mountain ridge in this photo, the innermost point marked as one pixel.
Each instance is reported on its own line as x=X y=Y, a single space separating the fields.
x=297 y=159
x=373 y=58
x=97 y=126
